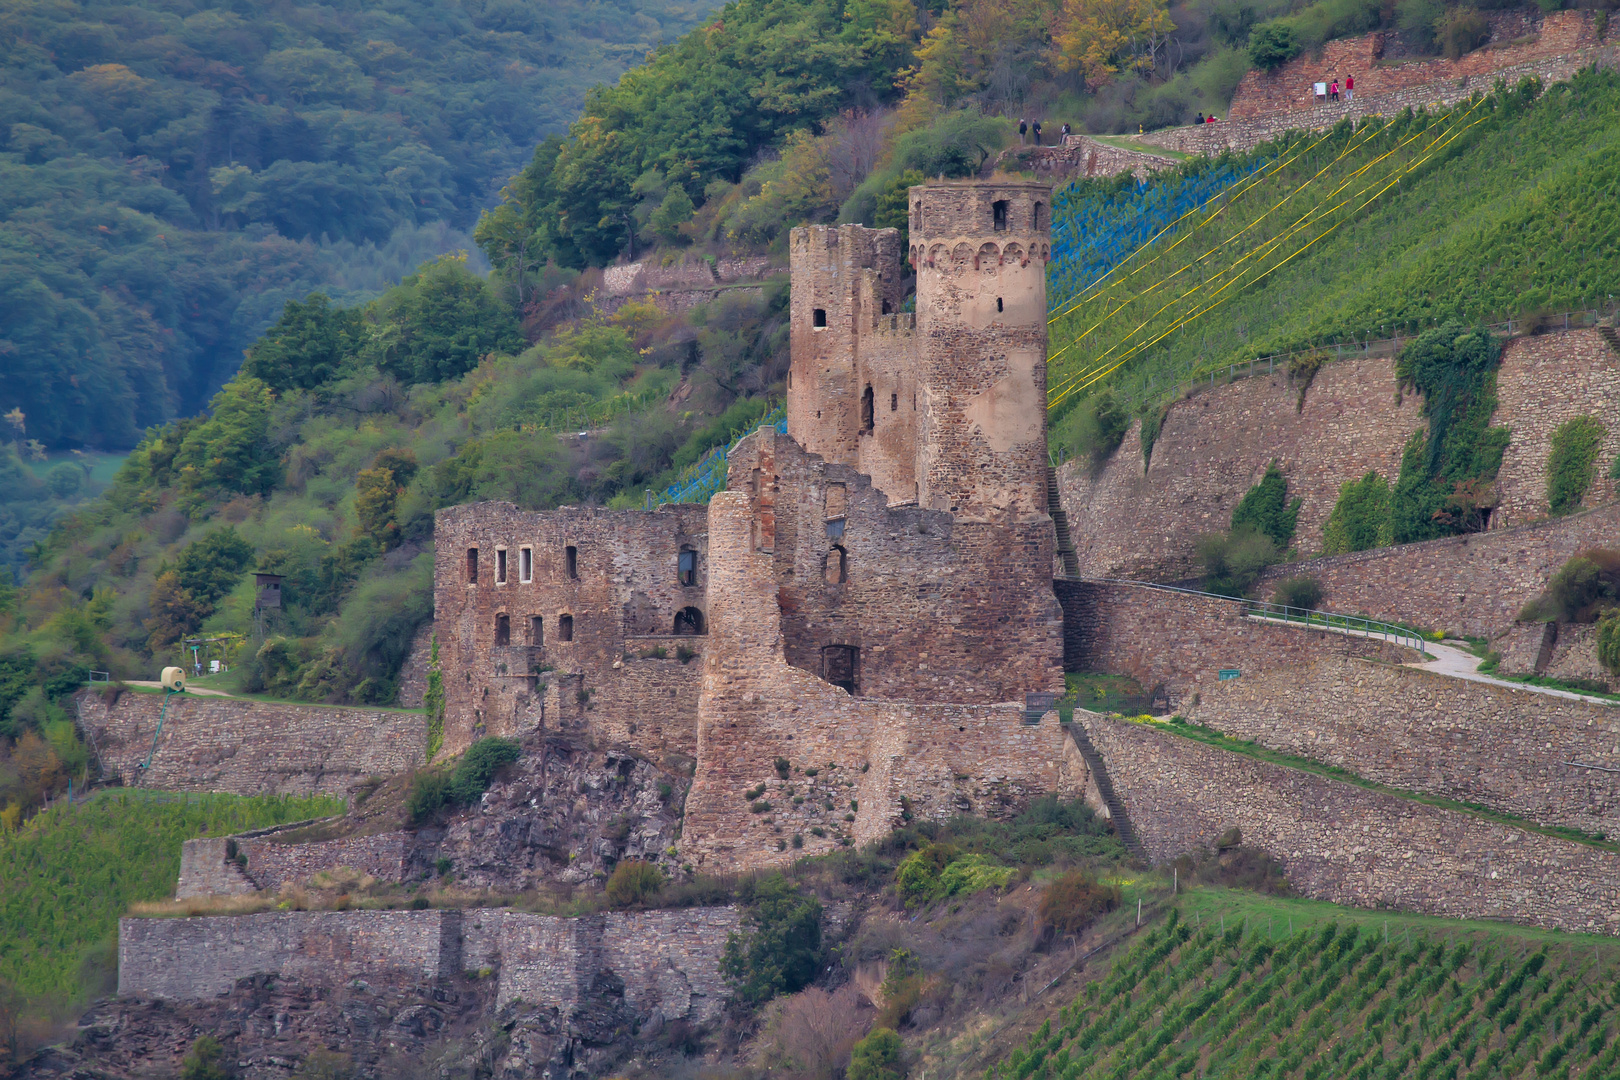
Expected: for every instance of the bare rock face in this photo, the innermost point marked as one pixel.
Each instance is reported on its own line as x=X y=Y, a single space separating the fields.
x=564 y=814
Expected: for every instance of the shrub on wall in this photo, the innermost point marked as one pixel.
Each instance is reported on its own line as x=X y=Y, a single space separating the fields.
x=634 y=882
x=778 y=949
x=1265 y=508
x=1232 y=562
x=1572 y=462
x=1580 y=591
x=1608 y=642
x=1094 y=429
x=434 y=789
x=1271 y=45
x=1360 y=519
x=1301 y=591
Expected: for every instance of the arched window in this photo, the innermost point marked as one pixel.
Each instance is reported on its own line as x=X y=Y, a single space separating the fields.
x=998 y=215
x=686 y=567
x=689 y=620
x=836 y=568
x=503 y=630
x=866 y=410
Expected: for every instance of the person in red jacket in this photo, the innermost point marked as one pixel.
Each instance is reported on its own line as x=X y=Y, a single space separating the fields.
x=1349 y=87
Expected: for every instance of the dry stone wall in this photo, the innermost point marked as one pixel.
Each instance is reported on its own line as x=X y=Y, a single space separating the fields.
x=667 y=962
x=1134 y=520
x=1346 y=844
x=1512 y=750
x=1475 y=584
x=1083 y=156
x=1181 y=642
x=249 y=747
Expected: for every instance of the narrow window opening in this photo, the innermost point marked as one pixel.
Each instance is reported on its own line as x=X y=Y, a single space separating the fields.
x=887 y=308
x=836 y=570
x=472 y=566
x=537 y=630
x=790 y=378
x=571 y=562
x=689 y=620
x=818 y=318
x=841 y=666
x=894 y=402
x=525 y=564
x=866 y=409
x=565 y=628
x=998 y=214
x=687 y=566
x=1040 y=216
x=503 y=631
x=998 y=304
x=500 y=566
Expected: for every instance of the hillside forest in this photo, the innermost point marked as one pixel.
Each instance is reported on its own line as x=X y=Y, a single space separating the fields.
x=350 y=422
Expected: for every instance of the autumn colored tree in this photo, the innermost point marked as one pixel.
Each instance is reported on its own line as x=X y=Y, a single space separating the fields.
x=1101 y=38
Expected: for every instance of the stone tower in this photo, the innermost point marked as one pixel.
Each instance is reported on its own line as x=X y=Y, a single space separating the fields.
x=980 y=253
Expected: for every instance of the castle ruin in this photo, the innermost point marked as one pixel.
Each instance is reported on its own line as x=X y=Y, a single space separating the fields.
x=862 y=627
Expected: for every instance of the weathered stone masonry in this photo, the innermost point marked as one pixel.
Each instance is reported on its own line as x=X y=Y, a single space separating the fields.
x=1349 y=845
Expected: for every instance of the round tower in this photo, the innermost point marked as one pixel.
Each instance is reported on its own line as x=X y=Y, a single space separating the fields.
x=980 y=251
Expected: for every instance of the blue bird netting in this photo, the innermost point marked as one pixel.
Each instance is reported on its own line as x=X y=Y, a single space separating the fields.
x=1093 y=232
x=697 y=483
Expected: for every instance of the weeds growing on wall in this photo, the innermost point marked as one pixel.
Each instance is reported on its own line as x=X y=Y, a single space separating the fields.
x=1233 y=561
x=1266 y=509
x=433 y=699
x=1572 y=462
x=435 y=789
x=1361 y=517
x=1093 y=430
x=1580 y=591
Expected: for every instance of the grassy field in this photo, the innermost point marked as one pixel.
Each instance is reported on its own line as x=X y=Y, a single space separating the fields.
x=1242 y=985
x=1494 y=208
x=67 y=875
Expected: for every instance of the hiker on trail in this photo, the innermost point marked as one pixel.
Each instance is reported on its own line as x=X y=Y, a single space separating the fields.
x=1065 y=129
x=1037 y=130
x=1023 y=127
x=1200 y=119
x=1333 y=91
x=1349 y=88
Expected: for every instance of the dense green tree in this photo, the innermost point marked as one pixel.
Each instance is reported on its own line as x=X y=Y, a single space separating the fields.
x=1360 y=519
x=440 y=322
x=227 y=452
x=779 y=945
x=877 y=1057
x=1265 y=508
x=307 y=345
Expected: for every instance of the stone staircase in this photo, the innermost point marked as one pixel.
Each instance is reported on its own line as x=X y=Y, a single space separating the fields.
x=1060 y=521
x=1611 y=337
x=1105 y=788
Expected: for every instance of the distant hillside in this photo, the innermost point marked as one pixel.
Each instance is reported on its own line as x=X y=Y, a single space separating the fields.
x=171 y=174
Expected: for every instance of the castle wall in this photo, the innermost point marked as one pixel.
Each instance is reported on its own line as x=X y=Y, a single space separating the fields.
x=207 y=870
x=625 y=584
x=249 y=747
x=1182 y=641
x=1475 y=584
x=1348 y=845
x=1473 y=742
x=668 y=961
x=875 y=761
x=1128 y=520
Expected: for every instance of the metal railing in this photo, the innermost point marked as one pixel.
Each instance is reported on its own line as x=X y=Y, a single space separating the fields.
x=1311 y=618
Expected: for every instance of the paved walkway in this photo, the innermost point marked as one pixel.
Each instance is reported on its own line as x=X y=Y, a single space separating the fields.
x=1452 y=662
x=199 y=691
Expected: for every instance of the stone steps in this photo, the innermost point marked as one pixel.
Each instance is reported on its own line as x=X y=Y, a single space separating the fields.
x=1105 y=788
x=1611 y=337
x=1060 y=521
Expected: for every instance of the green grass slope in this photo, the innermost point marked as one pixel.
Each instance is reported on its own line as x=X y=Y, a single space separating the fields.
x=67 y=876
x=1496 y=208
x=1239 y=985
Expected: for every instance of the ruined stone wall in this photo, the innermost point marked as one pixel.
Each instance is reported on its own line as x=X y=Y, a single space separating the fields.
x=844 y=757
x=207 y=870
x=1574 y=656
x=1267 y=106
x=201 y=958
x=941 y=610
x=248 y=747
x=1128 y=520
x=1346 y=844
x=1508 y=749
x=1182 y=642
x=666 y=961
x=1475 y=584
x=1082 y=156
x=413 y=674
x=624 y=583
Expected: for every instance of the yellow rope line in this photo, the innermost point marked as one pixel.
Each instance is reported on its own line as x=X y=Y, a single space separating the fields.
x=1085 y=378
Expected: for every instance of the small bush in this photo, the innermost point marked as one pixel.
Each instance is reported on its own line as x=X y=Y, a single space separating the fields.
x=1461 y=30
x=783 y=769
x=1234 y=561
x=815 y=1031
x=478 y=766
x=877 y=1057
x=634 y=882
x=204 y=1061
x=1302 y=591
x=1094 y=429
x=778 y=949
x=430 y=791
x=938 y=871
x=1272 y=45
x=325 y=1065
x=1072 y=901
x=1608 y=642
x=1580 y=590
x=1571 y=464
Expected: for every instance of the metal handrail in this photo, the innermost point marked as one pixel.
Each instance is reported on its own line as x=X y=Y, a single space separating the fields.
x=1307 y=617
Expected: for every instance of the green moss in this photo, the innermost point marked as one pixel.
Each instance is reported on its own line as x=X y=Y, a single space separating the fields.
x=1572 y=462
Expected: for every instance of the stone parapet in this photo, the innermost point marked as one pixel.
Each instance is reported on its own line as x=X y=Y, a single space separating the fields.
x=1348 y=845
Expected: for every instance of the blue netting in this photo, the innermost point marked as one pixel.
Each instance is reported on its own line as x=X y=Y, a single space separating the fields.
x=697 y=483
x=1094 y=232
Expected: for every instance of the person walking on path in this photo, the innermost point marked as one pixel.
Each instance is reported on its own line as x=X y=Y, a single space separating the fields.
x=1333 y=91
x=1349 y=88
x=1023 y=127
